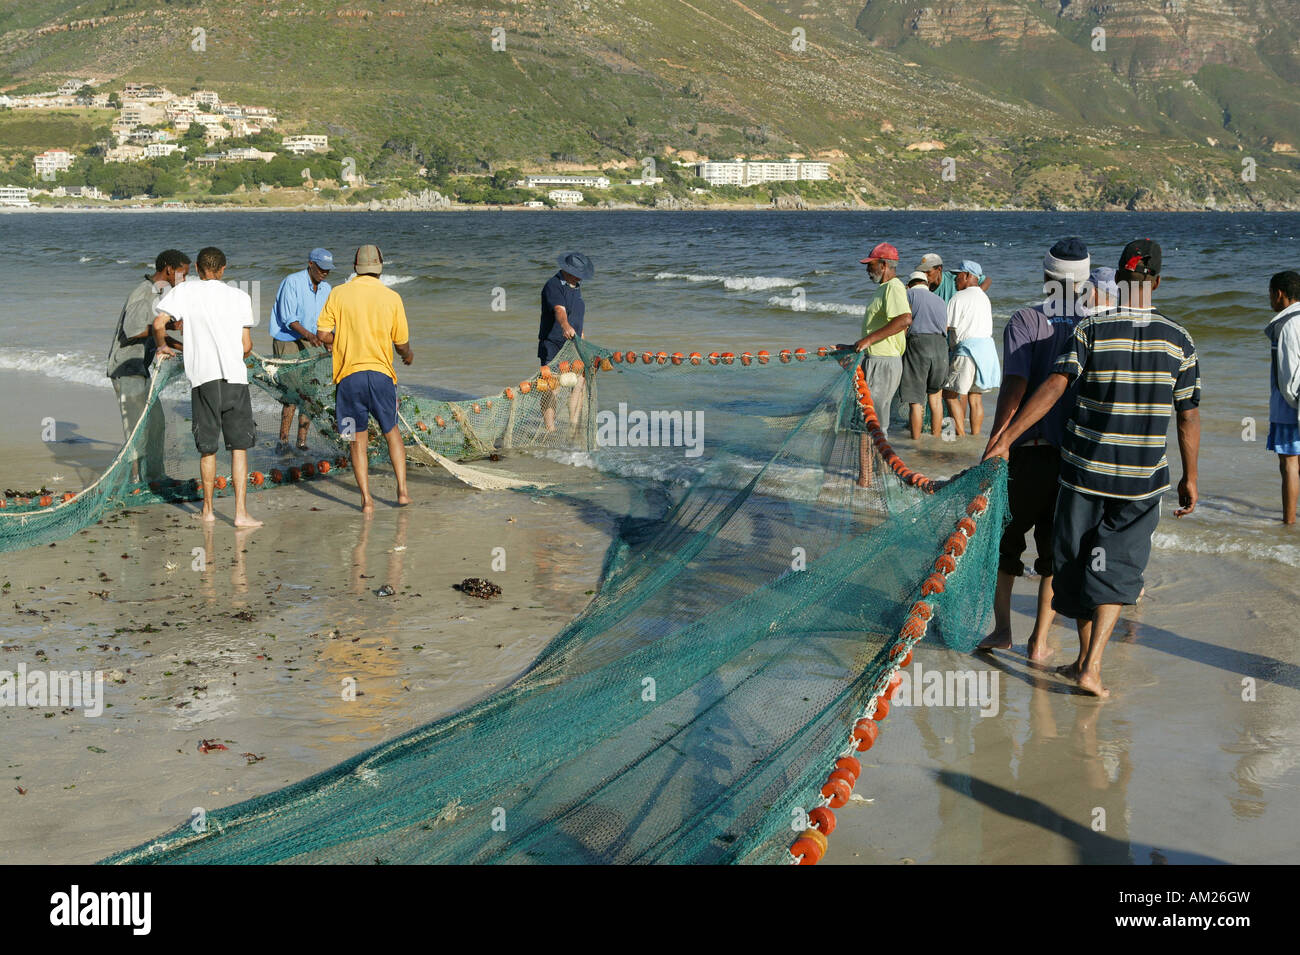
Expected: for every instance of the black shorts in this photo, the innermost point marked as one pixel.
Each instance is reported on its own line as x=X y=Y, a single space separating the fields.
x=222 y=410
x=1101 y=546
x=1033 y=476
x=925 y=367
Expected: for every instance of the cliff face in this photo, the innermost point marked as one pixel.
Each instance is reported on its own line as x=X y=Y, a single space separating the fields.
x=1161 y=37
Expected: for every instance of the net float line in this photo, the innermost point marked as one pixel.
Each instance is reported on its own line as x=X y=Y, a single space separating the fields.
x=760 y=357
x=811 y=845
x=905 y=474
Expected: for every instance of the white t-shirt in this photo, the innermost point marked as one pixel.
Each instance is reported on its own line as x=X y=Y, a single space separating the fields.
x=215 y=316
x=970 y=315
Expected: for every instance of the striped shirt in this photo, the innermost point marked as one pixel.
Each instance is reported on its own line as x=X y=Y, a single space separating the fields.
x=1134 y=367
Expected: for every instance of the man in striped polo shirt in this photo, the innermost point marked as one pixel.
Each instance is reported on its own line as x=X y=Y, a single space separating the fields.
x=1133 y=368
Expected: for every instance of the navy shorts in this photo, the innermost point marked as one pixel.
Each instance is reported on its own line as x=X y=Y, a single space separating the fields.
x=1101 y=549
x=362 y=394
x=547 y=350
x=1033 y=476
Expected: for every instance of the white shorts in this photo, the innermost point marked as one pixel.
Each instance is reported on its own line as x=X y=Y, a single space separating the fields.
x=961 y=376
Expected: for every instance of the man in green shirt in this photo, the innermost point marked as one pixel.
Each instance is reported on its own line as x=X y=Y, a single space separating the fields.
x=130 y=356
x=943 y=282
x=884 y=338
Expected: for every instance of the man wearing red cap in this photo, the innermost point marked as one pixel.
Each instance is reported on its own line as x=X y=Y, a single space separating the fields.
x=884 y=339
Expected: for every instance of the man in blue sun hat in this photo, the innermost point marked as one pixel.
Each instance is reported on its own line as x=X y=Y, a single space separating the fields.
x=298 y=304
x=563 y=312
x=974 y=368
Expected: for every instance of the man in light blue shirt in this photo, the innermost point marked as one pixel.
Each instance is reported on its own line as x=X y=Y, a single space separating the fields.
x=298 y=304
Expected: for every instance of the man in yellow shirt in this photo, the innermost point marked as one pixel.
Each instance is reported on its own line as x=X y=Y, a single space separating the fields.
x=884 y=339
x=361 y=324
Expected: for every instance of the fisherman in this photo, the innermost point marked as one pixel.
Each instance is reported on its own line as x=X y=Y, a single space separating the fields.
x=1113 y=464
x=925 y=356
x=363 y=321
x=563 y=311
x=297 y=306
x=943 y=283
x=131 y=355
x=1105 y=293
x=1031 y=342
x=974 y=367
x=1284 y=392
x=884 y=339
x=215 y=318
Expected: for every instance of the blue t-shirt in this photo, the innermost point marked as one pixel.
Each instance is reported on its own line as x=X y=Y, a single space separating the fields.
x=1032 y=341
x=929 y=313
x=296 y=302
x=947 y=286
x=559 y=292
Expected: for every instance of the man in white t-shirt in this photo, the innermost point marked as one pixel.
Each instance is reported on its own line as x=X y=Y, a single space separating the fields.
x=974 y=368
x=215 y=318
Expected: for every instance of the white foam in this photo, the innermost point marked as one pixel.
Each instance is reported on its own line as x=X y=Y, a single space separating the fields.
x=734 y=283
x=836 y=308
x=1288 y=554
x=390 y=280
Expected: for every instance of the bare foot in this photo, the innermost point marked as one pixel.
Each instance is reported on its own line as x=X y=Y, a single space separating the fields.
x=207 y=517
x=999 y=639
x=1090 y=682
x=864 y=486
x=1038 y=651
x=1070 y=670
x=245 y=520
x=367 y=505
x=403 y=500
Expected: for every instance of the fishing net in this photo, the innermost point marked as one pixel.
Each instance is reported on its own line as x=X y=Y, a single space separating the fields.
x=743 y=637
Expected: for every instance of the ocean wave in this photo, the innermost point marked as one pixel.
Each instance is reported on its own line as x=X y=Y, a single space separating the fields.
x=1288 y=554
x=390 y=280
x=733 y=283
x=836 y=308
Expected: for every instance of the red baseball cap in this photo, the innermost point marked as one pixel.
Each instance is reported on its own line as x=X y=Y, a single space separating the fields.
x=882 y=251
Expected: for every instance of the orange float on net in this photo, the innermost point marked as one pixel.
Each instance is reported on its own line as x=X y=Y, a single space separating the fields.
x=648 y=358
x=823 y=351
x=801 y=353
x=714 y=358
x=220 y=482
x=605 y=365
x=822 y=819
x=542 y=385
x=851 y=765
x=978 y=506
x=616 y=357
x=728 y=358
x=294 y=474
x=257 y=478
x=488 y=404
x=810 y=848
x=913 y=628
x=277 y=475
x=323 y=466
x=746 y=358
x=784 y=355
x=934 y=584
x=895 y=682
x=662 y=357
x=577 y=365
x=966 y=526
x=475 y=408
x=440 y=421
x=696 y=358
x=564 y=367
x=510 y=394
x=677 y=357
x=524 y=388
x=844 y=775
x=955 y=544
x=945 y=564
x=46 y=500
x=882 y=709
x=922 y=609
x=67 y=496
x=763 y=357
x=308 y=469
x=837 y=790
x=865 y=731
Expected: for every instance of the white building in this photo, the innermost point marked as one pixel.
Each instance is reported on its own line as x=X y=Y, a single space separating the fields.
x=594 y=182
x=248 y=153
x=14 y=196
x=158 y=150
x=565 y=197
x=124 y=154
x=306 y=144
x=52 y=162
x=207 y=98
x=739 y=172
x=140 y=115
x=653 y=181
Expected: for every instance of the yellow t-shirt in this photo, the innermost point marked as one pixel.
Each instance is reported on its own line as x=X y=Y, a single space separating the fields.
x=367 y=319
x=889 y=302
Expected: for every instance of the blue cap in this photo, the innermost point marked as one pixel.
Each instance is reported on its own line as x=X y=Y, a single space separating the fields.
x=1103 y=279
x=322 y=258
x=967 y=265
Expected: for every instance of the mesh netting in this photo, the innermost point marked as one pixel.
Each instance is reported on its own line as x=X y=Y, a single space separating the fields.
x=733 y=645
